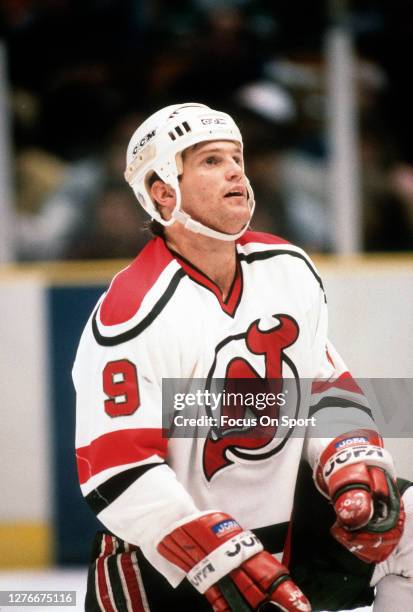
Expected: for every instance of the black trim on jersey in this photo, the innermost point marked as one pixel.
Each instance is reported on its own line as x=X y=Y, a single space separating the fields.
x=260 y=255
x=170 y=290
x=200 y=284
x=241 y=291
x=101 y=497
x=238 y=272
x=218 y=348
x=338 y=402
x=146 y=321
x=178 y=256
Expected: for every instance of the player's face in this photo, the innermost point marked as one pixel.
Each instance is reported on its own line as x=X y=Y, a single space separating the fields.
x=213 y=185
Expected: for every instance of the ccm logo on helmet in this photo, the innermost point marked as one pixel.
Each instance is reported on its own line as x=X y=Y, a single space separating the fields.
x=353 y=454
x=144 y=140
x=214 y=121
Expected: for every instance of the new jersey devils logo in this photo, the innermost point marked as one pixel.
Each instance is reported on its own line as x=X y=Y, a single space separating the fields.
x=265 y=348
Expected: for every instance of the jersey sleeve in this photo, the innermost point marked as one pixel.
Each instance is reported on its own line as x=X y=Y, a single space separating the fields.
x=121 y=449
x=337 y=402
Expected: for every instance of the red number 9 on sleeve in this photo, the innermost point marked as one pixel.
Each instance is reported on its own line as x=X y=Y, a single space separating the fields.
x=120 y=383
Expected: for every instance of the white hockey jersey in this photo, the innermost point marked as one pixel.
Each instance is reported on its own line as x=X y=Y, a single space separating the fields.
x=162 y=318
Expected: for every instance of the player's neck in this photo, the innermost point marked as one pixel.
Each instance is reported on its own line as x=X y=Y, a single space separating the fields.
x=215 y=258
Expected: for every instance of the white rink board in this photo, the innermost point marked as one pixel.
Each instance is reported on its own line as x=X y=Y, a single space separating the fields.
x=371 y=318
x=25 y=424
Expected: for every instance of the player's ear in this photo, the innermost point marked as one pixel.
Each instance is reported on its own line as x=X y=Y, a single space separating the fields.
x=164 y=196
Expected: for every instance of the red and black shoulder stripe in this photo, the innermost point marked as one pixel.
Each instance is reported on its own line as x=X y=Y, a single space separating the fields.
x=259 y=246
x=137 y=295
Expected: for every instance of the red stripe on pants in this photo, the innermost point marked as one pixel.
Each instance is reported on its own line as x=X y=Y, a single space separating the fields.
x=102 y=585
x=129 y=571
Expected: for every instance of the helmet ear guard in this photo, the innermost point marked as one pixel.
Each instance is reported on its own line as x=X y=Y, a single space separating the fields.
x=156 y=147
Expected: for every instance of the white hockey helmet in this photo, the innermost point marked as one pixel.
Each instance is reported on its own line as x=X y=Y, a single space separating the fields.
x=156 y=146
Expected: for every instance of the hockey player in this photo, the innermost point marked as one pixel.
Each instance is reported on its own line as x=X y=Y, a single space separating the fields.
x=194 y=523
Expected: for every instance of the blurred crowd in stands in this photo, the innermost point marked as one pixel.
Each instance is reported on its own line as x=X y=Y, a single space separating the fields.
x=84 y=73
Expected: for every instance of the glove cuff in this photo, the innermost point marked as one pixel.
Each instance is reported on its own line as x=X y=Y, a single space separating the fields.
x=360 y=446
x=223 y=560
x=208 y=548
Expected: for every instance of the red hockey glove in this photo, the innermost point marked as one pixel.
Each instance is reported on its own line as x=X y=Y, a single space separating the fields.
x=357 y=474
x=229 y=566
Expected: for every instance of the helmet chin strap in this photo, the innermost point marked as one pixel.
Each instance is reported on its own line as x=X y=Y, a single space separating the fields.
x=199 y=228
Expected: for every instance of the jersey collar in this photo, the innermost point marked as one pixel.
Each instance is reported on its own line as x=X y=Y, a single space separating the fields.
x=230 y=304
